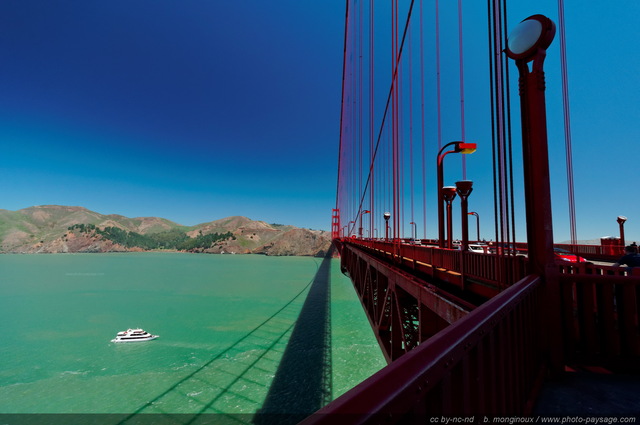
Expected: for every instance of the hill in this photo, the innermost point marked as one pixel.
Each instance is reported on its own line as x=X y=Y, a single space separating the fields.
x=55 y=229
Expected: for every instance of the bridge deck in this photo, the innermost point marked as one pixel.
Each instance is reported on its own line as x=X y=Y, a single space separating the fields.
x=496 y=358
x=590 y=393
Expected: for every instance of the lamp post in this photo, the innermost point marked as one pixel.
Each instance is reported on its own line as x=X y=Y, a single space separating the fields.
x=458 y=147
x=464 y=189
x=386 y=216
x=414 y=234
x=375 y=233
x=361 y=214
x=528 y=43
x=449 y=194
x=621 y=220
x=350 y=223
x=477 y=223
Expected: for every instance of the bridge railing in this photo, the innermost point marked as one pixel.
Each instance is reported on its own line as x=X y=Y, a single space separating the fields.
x=486 y=363
x=498 y=271
x=595 y=252
x=600 y=316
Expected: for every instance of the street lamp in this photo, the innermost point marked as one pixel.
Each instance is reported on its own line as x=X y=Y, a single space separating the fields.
x=477 y=223
x=621 y=220
x=449 y=194
x=464 y=189
x=415 y=231
x=528 y=42
x=386 y=216
x=458 y=147
x=361 y=214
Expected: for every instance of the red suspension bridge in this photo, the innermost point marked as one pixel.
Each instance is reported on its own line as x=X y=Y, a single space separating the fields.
x=468 y=326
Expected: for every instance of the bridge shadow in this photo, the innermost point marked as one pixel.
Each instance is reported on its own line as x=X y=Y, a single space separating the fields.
x=301 y=368
x=303 y=381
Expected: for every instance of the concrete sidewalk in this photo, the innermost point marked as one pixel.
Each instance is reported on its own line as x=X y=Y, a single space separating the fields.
x=590 y=394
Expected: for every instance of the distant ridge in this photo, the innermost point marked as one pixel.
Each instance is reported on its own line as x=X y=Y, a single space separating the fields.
x=58 y=229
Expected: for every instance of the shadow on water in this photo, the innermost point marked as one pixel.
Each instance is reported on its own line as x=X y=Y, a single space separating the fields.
x=303 y=381
x=301 y=368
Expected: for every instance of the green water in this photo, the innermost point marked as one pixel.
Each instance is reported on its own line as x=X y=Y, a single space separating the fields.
x=235 y=333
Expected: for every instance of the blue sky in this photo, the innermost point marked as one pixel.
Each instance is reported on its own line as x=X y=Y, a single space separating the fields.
x=195 y=110
x=190 y=110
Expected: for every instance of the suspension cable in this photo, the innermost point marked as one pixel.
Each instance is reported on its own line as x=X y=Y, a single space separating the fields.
x=567 y=123
x=388 y=102
x=461 y=61
x=342 y=101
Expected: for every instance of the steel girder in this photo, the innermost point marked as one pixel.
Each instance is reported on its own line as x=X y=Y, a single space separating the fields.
x=402 y=309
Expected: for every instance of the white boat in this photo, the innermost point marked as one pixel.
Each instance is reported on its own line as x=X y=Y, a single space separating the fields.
x=134 y=335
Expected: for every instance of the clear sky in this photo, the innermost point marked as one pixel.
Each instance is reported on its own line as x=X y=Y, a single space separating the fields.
x=195 y=110
x=188 y=110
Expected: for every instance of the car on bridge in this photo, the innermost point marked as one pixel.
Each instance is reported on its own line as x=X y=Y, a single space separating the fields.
x=565 y=255
x=479 y=248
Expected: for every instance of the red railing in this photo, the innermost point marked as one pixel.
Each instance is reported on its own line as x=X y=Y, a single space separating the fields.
x=484 y=274
x=487 y=363
x=600 y=316
x=595 y=252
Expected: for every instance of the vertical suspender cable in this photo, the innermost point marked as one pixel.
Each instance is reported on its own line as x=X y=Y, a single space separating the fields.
x=567 y=123
x=424 y=155
x=411 y=186
x=438 y=92
x=360 y=121
x=499 y=86
x=491 y=33
x=395 y=115
x=342 y=108
x=372 y=217
x=509 y=134
x=501 y=190
x=461 y=55
x=354 y=116
x=394 y=107
x=390 y=97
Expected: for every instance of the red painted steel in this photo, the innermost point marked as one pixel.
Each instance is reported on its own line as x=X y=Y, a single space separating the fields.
x=484 y=364
x=335 y=223
x=600 y=316
x=595 y=252
x=445 y=360
x=484 y=274
x=402 y=309
x=489 y=361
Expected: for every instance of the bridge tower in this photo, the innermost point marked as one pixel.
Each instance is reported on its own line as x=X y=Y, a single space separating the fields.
x=335 y=223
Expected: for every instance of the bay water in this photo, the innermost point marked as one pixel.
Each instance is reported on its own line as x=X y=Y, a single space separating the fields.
x=239 y=334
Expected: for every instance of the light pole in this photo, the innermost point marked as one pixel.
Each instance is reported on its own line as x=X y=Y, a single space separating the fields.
x=621 y=220
x=458 y=147
x=477 y=223
x=464 y=189
x=528 y=42
x=386 y=216
x=415 y=231
x=361 y=214
x=449 y=194
x=350 y=223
